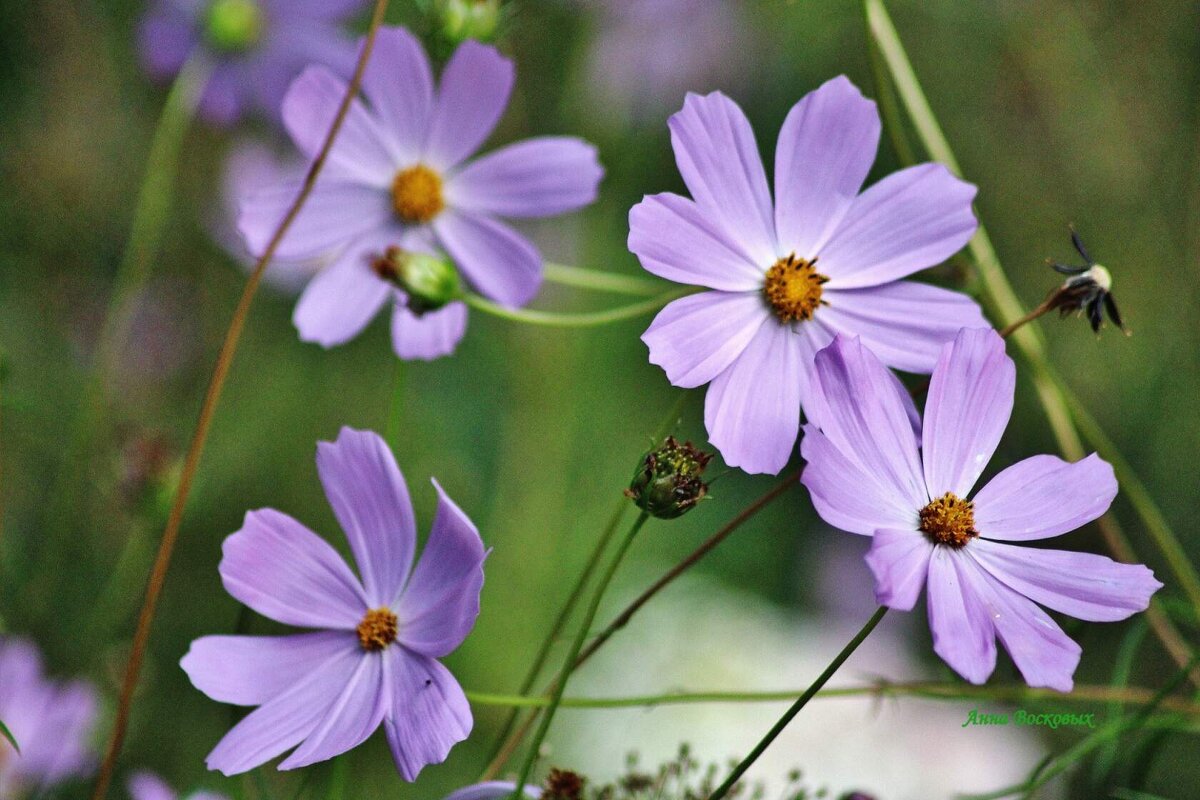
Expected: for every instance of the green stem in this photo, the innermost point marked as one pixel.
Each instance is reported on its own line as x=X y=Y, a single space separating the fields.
x=396 y=407
x=591 y=319
x=595 y=280
x=7 y=734
x=800 y=703
x=569 y=662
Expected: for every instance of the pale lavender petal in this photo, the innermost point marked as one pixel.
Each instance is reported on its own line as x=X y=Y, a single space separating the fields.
x=361 y=152
x=147 y=786
x=355 y=714
x=399 y=83
x=286 y=572
x=251 y=670
x=963 y=632
x=499 y=263
x=899 y=560
x=695 y=338
x=720 y=163
x=59 y=747
x=429 y=714
x=1044 y=496
x=471 y=99
x=440 y=604
x=910 y=220
x=1084 y=585
x=324 y=10
x=223 y=100
x=344 y=297
x=370 y=500
x=166 y=36
x=676 y=240
x=847 y=497
x=752 y=409
x=284 y=54
x=826 y=147
x=334 y=213
x=492 y=790
x=966 y=411
x=537 y=177
x=905 y=323
x=283 y=722
x=865 y=417
x=431 y=335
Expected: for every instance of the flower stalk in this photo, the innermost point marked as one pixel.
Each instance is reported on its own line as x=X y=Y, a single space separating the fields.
x=556 y=319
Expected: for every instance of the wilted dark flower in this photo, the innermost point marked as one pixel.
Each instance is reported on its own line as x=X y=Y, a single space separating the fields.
x=1086 y=290
x=667 y=483
x=562 y=784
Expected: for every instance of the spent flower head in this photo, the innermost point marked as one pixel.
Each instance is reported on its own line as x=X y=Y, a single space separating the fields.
x=1087 y=289
x=668 y=481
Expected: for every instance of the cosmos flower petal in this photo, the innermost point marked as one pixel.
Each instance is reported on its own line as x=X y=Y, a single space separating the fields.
x=343 y=297
x=844 y=495
x=492 y=790
x=499 y=263
x=429 y=715
x=865 y=417
x=251 y=670
x=431 y=335
x=325 y=10
x=963 y=632
x=695 y=338
x=674 y=239
x=899 y=559
x=147 y=786
x=283 y=722
x=536 y=177
x=361 y=153
x=370 y=500
x=165 y=37
x=335 y=212
x=355 y=714
x=1044 y=496
x=441 y=602
x=222 y=102
x=905 y=323
x=399 y=83
x=1084 y=585
x=910 y=220
x=471 y=98
x=720 y=163
x=966 y=411
x=825 y=150
x=752 y=409
x=284 y=571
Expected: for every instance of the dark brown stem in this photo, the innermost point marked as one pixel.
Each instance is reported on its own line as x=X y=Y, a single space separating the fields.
x=1045 y=306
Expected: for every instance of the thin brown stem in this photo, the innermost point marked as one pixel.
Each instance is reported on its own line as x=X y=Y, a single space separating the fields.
x=1042 y=308
x=208 y=408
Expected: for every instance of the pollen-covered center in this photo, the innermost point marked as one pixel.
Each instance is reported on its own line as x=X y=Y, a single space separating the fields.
x=417 y=194
x=377 y=630
x=949 y=520
x=793 y=288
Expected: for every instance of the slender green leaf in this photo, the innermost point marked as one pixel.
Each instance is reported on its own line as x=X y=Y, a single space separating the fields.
x=7 y=734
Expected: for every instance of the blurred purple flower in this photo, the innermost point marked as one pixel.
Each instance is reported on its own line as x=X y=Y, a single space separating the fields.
x=492 y=790
x=774 y=305
x=147 y=786
x=867 y=473
x=51 y=722
x=374 y=659
x=396 y=178
x=256 y=46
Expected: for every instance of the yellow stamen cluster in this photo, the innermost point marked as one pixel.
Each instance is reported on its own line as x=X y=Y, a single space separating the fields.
x=378 y=629
x=417 y=194
x=949 y=520
x=793 y=288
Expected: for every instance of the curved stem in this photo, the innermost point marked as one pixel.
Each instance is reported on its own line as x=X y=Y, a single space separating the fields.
x=577 y=645
x=588 y=319
x=162 y=561
x=396 y=407
x=1042 y=307
x=800 y=703
x=581 y=278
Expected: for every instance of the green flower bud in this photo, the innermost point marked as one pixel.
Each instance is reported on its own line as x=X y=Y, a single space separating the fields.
x=233 y=26
x=667 y=482
x=468 y=19
x=429 y=281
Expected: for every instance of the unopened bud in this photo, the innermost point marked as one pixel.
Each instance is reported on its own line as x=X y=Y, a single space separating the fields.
x=667 y=483
x=233 y=26
x=429 y=281
x=468 y=19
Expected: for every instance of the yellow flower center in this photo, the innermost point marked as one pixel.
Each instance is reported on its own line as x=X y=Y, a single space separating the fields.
x=793 y=288
x=377 y=630
x=949 y=520
x=417 y=194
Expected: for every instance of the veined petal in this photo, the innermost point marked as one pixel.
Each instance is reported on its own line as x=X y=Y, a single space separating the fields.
x=826 y=148
x=470 y=101
x=966 y=411
x=429 y=713
x=963 y=631
x=336 y=212
x=899 y=560
x=499 y=263
x=909 y=221
x=1044 y=496
x=538 y=177
x=370 y=500
x=719 y=161
x=399 y=83
x=343 y=297
x=355 y=714
x=696 y=338
x=441 y=602
x=284 y=571
x=1084 y=585
x=847 y=497
x=676 y=240
x=431 y=335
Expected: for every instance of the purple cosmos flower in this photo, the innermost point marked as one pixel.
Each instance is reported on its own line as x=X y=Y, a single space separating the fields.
x=492 y=790
x=147 y=786
x=374 y=657
x=51 y=722
x=787 y=276
x=257 y=47
x=867 y=473
x=397 y=182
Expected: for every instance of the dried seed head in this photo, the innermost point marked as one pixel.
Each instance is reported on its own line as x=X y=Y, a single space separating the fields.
x=563 y=784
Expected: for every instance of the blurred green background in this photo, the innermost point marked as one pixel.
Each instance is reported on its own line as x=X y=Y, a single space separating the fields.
x=1060 y=112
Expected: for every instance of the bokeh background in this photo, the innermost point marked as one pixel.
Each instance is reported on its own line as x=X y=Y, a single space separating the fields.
x=1060 y=112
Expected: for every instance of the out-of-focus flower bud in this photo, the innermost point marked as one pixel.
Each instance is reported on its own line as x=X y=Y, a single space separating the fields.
x=232 y=26
x=667 y=483
x=429 y=281
x=468 y=19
